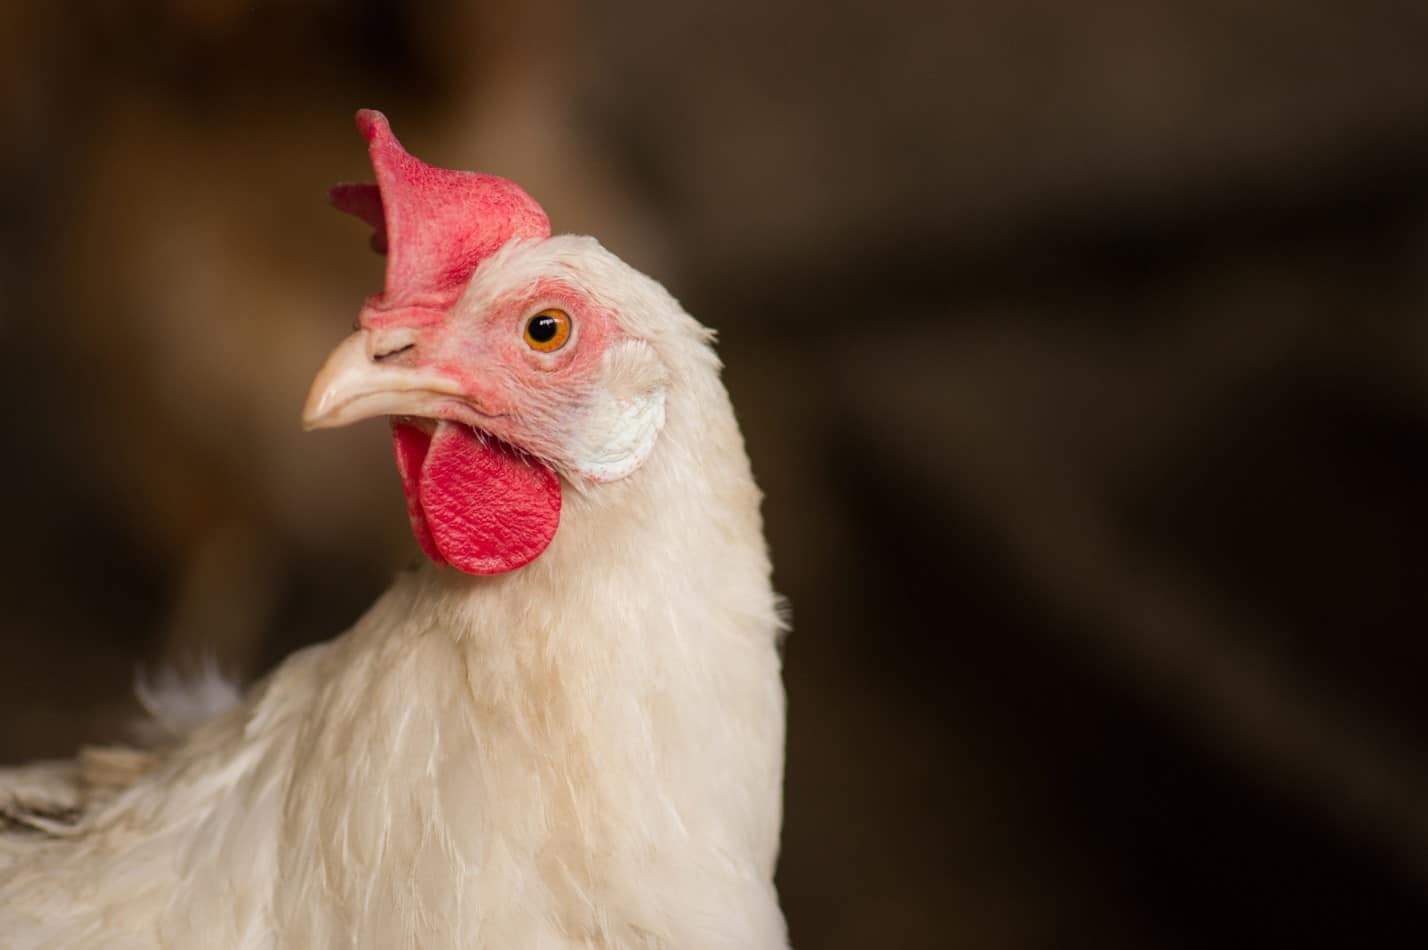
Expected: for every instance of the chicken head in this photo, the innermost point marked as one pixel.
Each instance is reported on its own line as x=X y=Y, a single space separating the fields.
x=512 y=364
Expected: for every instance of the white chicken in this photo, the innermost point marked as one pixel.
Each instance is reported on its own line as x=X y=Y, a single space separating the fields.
x=572 y=739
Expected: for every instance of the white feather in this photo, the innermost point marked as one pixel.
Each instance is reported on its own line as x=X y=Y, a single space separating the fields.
x=179 y=701
x=619 y=428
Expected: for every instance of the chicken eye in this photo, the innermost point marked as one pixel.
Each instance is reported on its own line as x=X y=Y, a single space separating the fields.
x=548 y=330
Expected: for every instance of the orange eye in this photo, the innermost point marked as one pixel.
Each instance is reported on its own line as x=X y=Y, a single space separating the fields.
x=548 y=330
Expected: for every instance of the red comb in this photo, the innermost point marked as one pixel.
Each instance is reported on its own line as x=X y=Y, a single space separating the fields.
x=434 y=224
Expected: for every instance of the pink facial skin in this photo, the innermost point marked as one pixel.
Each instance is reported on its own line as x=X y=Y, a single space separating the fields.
x=475 y=502
x=509 y=389
x=487 y=354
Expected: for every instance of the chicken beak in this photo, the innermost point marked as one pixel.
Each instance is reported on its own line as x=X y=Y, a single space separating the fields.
x=355 y=384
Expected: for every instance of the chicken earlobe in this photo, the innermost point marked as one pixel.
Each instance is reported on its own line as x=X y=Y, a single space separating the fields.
x=626 y=414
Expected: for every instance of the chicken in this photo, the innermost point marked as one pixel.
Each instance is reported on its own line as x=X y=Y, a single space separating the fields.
x=565 y=729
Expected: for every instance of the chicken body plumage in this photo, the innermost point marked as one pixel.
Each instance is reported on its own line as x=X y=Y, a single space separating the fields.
x=584 y=752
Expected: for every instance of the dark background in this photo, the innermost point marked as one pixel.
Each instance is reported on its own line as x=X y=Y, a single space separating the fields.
x=1080 y=347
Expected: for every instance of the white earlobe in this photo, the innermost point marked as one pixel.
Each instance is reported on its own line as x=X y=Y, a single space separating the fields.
x=623 y=422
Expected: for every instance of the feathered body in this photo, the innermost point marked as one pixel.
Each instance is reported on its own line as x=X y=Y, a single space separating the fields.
x=584 y=752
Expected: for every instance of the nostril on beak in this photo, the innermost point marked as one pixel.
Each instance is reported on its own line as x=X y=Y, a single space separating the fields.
x=379 y=357
x=389 y=342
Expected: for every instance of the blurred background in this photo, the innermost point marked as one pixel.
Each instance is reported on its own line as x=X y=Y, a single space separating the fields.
x=1081 y=349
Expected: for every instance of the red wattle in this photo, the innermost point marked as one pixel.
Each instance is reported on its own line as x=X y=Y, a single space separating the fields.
x=411 y=445
x=474 y=502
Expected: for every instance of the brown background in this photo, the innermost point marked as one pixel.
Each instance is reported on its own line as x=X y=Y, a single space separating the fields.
x=1081 y=349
